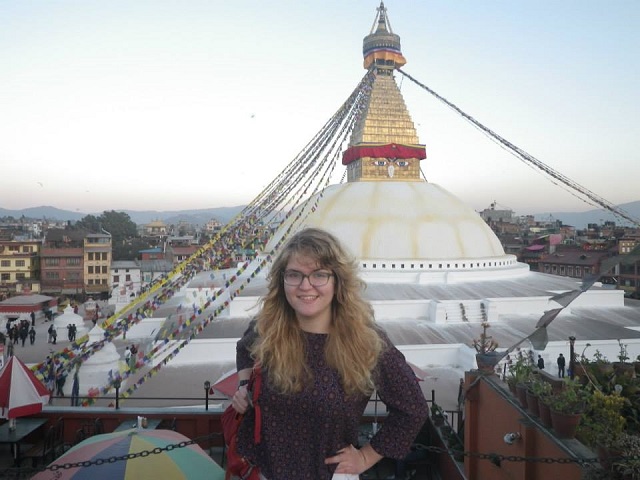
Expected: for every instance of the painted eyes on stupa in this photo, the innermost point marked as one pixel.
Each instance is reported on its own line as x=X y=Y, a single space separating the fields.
x=383 y=163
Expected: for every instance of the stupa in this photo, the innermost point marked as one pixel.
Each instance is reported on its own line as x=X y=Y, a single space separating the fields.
x=62 y=323
x=434 y=271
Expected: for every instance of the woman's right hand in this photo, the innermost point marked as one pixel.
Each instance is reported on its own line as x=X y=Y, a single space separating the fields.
x=240 y=400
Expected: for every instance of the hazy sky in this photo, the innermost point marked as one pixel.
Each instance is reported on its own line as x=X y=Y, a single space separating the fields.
x=170 y=105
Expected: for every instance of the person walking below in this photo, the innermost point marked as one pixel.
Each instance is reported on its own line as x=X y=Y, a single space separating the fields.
x=32 y=335
x=61 y=378
x=127 y=356
x=561 y=364
x=540 y=362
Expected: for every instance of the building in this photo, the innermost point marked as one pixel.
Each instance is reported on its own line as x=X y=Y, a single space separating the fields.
x=19 y=267
x=62 y=262
x=179 y=249
x=156 y=228
x=77 y=263
x=574 y=262
x=125 y=277
x=213 y=226
x=629 y=273
x=97 y=264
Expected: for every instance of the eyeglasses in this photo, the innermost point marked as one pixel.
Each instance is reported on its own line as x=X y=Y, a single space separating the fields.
x=295 y=278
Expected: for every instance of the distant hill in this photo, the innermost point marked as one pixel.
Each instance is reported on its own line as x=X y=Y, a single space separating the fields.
x=224 y=214
x=196 y=217
x=598 y=216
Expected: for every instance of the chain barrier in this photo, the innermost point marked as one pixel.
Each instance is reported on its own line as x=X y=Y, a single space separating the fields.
x=495 y=458
x=27 y=472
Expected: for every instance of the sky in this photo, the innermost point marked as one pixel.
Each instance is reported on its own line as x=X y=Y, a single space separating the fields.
x=173 y=105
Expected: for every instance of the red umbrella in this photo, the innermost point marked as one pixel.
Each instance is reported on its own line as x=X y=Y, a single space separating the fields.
x=21 y=393
x=227 y=384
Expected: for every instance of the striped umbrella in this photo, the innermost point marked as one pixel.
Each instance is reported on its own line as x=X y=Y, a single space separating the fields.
x=190 y=462
x=21 y=393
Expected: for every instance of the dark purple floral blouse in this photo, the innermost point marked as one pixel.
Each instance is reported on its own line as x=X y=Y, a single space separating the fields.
x=299 y=431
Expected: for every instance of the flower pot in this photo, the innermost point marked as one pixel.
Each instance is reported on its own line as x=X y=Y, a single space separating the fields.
x=604 y=368
x=605 y=456
x=521 y=393
x=544 y=411
x=565 y=424
x=487 y=361
x=532 y=403
x=626 y=369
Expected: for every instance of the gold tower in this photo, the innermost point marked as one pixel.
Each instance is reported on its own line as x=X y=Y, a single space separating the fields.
x=384 y=145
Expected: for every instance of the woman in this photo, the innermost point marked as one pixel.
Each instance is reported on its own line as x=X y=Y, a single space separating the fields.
x=321 y=357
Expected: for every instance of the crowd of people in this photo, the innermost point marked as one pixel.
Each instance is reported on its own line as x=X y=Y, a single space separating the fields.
x=18 y=331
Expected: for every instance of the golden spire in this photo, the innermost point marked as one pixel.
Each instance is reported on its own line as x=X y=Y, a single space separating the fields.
x=382 y=47
x=384 y=145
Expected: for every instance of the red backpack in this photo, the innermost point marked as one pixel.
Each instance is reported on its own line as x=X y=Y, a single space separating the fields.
x=237 y=465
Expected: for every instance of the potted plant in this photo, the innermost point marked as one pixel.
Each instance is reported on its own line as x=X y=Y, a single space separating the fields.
x=601 y=364
x=543 y=390
x=627 y=461
x=602 y=423
x=519 y=374
x=621 y=367
x=486 y=356
x=567 y=406
x=536 y=389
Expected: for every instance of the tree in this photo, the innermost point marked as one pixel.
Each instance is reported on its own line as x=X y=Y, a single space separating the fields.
x=119 y=225
x=90 y=223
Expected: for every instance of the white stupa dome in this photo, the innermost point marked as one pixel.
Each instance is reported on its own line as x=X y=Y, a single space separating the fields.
x=407 y=226
x=94 y=372
x=62 y=322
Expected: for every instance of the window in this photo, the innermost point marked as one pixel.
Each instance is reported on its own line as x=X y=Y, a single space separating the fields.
x=116 y=279
x=5 y=263
x=104 y=269
x=75 y=261
x=90 y=269
x=5 y=277
x=20 y=276
x=90 y=256
x=105 y=256
x=127 y=278
x=27 y=249
x=20 y=263
x=52 y=275
x=52 y=262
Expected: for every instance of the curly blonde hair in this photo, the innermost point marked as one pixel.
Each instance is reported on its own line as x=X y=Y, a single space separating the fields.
x=353 y=343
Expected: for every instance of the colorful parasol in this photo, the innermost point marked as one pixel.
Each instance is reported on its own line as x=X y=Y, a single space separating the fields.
x=190 y=462
x=21 y=393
